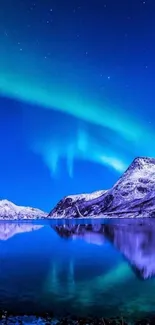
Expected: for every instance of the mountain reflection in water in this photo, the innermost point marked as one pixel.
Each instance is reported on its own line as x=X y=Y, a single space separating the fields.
x=80 y=265
x=135 y=241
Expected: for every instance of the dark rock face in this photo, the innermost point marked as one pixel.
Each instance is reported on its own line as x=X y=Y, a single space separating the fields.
x=79 y=205
x=133 y=193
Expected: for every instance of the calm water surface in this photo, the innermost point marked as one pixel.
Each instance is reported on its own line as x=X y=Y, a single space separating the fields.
x=81 y=267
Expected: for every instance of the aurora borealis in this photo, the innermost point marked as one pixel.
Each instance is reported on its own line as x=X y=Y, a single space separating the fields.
x=77 y=102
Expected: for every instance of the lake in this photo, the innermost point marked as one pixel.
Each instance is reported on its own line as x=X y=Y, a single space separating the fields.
x=83 y=267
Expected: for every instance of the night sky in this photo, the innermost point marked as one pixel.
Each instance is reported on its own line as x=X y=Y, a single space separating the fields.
x=76 y=95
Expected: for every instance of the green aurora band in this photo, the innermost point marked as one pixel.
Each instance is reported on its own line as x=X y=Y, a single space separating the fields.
x=28 y=79
x=46 y=84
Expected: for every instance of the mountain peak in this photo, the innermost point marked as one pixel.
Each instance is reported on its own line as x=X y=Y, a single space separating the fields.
x=132 y=193
x=6 y=202
x=143 y=161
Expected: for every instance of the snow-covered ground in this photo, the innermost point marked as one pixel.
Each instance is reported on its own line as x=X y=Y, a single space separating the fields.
x=86 y=196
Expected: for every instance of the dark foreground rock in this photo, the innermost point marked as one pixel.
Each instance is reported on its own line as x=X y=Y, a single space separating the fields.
x=50 y=320
x=133 y=194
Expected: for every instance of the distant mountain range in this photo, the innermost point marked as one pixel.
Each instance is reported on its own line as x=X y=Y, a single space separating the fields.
x=133 y=195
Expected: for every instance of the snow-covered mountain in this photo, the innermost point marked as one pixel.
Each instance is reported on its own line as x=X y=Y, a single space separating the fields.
x=10 y=211
x=134 y=193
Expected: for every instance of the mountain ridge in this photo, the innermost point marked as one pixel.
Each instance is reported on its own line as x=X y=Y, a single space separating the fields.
x=132 y=193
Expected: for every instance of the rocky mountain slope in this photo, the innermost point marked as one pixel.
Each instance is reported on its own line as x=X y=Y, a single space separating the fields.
x=10 y=211
x=134 y=193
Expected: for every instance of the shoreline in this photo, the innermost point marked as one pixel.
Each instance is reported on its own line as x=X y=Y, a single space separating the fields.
x=110 y=216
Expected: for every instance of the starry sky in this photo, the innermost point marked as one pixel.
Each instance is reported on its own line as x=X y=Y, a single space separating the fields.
x=76 y=95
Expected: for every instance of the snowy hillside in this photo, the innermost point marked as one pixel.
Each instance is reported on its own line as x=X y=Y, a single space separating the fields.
x=9 y=210
x=134 y=192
